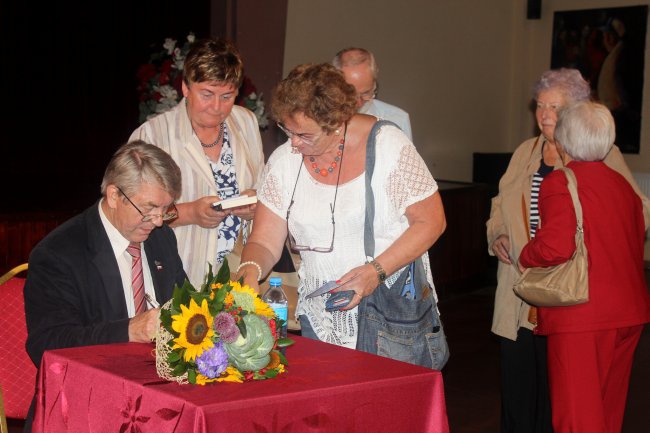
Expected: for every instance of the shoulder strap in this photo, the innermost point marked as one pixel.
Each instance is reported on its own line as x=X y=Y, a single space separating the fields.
x=369 y=230
x=524 y=215
x=573 y=190
x=532 y=149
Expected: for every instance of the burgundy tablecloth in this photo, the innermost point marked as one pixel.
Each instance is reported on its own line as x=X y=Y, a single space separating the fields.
x=114 y=388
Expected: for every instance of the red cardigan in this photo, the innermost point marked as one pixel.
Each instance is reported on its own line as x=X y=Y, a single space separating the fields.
x=614 y=236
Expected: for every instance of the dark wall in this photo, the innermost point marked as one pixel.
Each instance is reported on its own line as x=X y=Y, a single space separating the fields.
x=260 y=33
x=69 y=85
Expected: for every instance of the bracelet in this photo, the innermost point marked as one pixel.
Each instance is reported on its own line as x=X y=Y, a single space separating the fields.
x=381 y=274
x=259 y=268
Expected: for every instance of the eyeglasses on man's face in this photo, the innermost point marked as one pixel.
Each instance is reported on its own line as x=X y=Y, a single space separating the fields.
x=308 y=139
x=368 y=95
x=167 y=216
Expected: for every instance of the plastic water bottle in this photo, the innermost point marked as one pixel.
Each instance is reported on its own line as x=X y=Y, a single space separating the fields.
x=277 y=300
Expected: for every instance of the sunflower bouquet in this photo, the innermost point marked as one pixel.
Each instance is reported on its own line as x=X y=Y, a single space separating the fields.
x=221 y=333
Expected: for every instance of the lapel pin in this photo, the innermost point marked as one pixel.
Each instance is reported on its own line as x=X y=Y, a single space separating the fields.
x=158 y=265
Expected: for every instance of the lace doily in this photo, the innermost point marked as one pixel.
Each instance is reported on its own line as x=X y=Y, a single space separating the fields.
x=163 y=349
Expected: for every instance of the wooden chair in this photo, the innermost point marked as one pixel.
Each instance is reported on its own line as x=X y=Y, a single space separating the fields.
x=17 y=372
x=12 y=273
x=3 y=418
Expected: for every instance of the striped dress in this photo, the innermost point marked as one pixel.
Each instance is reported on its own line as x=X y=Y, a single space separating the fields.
x=538 y=177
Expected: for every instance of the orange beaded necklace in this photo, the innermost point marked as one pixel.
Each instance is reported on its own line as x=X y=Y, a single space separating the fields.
x=326 y=171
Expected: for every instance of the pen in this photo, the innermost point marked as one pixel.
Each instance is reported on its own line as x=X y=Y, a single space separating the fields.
x=151 y=300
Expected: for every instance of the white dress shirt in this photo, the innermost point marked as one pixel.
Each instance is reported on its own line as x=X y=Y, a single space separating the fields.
x=124 y=260
x=389 y=112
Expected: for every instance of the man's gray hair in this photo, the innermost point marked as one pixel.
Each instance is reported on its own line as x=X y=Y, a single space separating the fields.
x=138 y=162
x=356 y=56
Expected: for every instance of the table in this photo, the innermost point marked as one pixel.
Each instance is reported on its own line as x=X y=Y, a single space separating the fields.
x=115 y=388
x=459 y=258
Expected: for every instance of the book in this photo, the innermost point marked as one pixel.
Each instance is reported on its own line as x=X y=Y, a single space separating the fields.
x=228 y=203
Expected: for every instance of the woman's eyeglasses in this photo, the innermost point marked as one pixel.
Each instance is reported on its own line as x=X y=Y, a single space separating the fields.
x=308 y=139
x=169 y=215
x=292 y=241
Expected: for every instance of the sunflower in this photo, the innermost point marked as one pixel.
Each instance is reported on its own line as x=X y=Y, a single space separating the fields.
x=231 y=375
x=202 y=380
x=194 y=326
x=248 y=300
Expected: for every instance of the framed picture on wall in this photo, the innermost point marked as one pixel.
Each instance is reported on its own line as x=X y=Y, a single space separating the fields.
x=608 y=47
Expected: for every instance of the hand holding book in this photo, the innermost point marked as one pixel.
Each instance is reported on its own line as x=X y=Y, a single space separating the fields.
x=233 y=202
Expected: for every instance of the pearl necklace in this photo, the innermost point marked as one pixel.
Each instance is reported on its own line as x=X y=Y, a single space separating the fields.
x=324 y=172
x=207 y=146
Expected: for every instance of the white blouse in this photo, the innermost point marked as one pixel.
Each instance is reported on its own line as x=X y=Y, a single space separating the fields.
x=172 y=132
x=400 y=179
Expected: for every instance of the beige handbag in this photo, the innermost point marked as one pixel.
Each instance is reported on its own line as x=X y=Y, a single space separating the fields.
x=564 y=284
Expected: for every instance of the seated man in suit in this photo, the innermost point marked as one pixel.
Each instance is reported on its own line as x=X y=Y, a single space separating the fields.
x=360 y=69
x=80 y=289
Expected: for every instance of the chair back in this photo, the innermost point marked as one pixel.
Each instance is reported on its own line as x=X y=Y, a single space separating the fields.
x=3 y=418
x=17 y=372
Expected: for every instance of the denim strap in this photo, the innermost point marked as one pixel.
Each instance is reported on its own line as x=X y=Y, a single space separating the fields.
x=369 y=230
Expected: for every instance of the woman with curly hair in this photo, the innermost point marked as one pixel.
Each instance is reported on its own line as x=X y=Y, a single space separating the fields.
x=313 y=191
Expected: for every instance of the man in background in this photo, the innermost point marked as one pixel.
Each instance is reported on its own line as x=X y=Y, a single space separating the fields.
x=360 y=70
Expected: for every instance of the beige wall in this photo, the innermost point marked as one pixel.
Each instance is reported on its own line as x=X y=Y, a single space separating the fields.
x=463 y=69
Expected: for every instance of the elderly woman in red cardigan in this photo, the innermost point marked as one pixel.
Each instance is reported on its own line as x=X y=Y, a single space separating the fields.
x=591 y=346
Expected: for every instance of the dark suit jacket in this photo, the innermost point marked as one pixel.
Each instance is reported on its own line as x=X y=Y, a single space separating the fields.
x=74 y=294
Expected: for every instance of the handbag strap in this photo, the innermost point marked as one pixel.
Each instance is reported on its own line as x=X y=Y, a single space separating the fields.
x=369 y=230
x=573 y=190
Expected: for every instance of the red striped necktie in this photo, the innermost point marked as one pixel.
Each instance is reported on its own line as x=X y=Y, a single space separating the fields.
x=137 y=277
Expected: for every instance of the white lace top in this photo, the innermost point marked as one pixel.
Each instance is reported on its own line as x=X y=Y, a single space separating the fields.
x=400 y=179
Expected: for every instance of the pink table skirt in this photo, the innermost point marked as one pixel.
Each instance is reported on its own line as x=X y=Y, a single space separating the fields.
x=114 y=388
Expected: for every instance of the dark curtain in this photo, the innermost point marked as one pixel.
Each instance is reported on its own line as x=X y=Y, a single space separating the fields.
x=69 y=75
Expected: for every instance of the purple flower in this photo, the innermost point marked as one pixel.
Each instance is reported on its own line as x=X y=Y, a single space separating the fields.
x=213 y=362
x=225 y=326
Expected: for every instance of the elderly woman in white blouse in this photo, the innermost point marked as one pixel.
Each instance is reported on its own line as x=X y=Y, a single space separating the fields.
x=313 y=190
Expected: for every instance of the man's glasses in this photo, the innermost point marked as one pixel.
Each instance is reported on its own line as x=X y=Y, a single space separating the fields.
x=308 y=139
x=146 y=218
x=370 y=94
